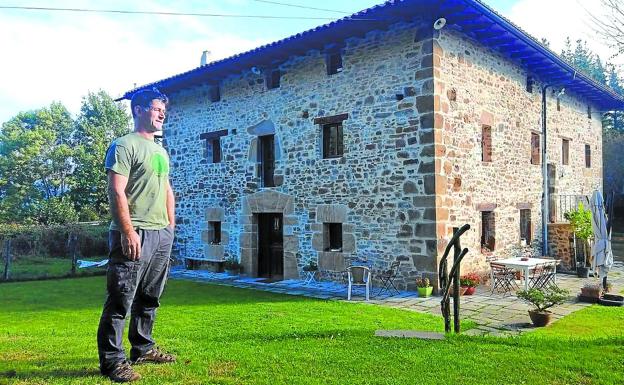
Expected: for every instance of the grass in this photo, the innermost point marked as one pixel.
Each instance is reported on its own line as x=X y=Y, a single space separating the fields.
x=35 y=267
x=226 y=335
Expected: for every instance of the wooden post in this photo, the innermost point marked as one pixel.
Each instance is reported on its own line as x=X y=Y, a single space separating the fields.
x=456 y=257
x=7 y=258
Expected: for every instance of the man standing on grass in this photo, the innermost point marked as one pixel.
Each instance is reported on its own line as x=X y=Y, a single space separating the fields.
x=140 y=239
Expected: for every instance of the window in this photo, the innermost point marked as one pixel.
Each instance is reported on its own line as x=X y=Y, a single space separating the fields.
x=332 y=140
x=558 y=104
x=215 y=93
x=333 y=236
x=535 y=148
x=267 y=159
x=529 y=84
x=587 y=156
x=565 y=152
x=212 y=147
x=273 y=79
x=215 y=233
x=488 y=240
x=589 y=111
x=486 y=144
x=334 y=63
x=525 y=225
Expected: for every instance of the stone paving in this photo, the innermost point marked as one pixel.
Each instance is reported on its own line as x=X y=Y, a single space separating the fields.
x=495 y=314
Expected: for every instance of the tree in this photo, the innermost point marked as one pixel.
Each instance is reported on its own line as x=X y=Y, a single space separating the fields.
x=35 y=161
x=610 y=24
x=100 y=121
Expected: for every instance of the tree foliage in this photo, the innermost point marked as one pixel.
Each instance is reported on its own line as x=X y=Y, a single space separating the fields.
x=51 y=165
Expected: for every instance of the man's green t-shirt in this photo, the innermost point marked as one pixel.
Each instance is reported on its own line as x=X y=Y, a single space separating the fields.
x=146 y=164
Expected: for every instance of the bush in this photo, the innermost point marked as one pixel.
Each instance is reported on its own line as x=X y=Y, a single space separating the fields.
x=542 y=299
x=581 y=222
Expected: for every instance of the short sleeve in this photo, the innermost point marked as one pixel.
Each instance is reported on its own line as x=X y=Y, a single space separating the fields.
x=117 y=160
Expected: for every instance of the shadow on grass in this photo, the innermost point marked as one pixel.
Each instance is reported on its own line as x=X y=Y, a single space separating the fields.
x=47 y=374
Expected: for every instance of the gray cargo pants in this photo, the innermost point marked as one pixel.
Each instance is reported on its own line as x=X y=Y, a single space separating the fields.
x=132 y=287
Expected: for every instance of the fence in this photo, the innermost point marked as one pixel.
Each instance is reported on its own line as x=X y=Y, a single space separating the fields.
x=35 y=252
x=562 y=203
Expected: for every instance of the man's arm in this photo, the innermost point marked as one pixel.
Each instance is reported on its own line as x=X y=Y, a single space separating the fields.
x=170 y=205
x=130 y=240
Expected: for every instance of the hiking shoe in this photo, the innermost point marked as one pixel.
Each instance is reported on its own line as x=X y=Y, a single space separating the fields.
x=123 y=372
x=156 y=356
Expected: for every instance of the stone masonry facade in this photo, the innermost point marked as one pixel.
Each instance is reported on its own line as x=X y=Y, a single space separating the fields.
x=413 y=103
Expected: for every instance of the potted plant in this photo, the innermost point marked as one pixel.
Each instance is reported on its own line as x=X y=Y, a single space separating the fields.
x=591 y=292
x=424 y=287
x=543 y=299
x=232 y=266
x=470 y=281
x=580 y=220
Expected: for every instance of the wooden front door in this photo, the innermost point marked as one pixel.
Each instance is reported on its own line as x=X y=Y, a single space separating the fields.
x=270 y=246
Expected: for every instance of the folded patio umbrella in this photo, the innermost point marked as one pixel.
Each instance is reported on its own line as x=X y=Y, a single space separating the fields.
x=601 y=250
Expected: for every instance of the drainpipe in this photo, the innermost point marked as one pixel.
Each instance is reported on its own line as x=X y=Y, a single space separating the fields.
x=544 y=175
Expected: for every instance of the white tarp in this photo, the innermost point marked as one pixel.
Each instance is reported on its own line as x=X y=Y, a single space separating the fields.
x=601 y=249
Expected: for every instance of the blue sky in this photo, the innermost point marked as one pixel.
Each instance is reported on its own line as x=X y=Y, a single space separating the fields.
x=60 y=56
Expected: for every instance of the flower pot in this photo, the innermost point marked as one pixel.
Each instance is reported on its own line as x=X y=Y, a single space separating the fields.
x=592 y=292
x=462 y=290
x=582 y=272
x=470 y=290
x=540 y=318
x=425 y=291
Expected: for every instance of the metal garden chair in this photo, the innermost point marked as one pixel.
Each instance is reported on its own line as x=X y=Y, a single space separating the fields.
x=503 y=278
x=387 y=279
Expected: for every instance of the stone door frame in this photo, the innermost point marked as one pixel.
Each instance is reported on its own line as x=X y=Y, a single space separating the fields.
x=268 y=201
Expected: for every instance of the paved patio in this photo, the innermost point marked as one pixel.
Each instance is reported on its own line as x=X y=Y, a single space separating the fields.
x=495 y=314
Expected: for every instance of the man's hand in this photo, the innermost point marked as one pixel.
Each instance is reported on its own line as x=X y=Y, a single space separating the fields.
x=131 y=245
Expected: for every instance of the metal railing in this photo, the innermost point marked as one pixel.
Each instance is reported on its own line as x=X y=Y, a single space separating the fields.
x=563 y=203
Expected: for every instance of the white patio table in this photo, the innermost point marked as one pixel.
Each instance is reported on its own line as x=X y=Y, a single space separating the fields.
x=525 y=266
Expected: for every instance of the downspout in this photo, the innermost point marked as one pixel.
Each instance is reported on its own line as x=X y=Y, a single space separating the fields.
x=545 y=196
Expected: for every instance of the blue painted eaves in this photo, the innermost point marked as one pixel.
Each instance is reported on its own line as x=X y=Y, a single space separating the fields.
x=471 y=17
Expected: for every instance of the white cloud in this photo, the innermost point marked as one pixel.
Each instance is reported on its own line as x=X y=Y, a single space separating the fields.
x=557 y=19
x=63 y=56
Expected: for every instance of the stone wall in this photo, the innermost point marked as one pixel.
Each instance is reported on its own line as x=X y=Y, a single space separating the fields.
x=559 y=235
x=383 y=181
x=477 y=87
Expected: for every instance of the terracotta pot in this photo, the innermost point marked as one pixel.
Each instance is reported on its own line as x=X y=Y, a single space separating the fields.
x=470 y=290
x=540 y=318
x=425 y=291
x=462 y=290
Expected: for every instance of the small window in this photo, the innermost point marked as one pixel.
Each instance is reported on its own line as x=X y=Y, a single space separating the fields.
x=488 y=239
x=215 y=233
x=486 y=144
x=333 y=236
x=215 y=93
x=565 y=152
x=558 y=104
x=273 y=79
x=213 y=150
x=589 y=111
x=525 y=225
x=587 y=156
x=334 y=63
x=535 y=148
x=332 y=140
x=267 y=159
x=529 y=84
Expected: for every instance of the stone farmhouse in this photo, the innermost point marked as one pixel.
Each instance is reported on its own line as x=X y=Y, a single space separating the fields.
x=376 y=135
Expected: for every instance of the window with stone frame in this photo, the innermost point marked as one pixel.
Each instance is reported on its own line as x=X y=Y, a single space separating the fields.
x=212 y=145
x=486 y=144
x=529 y=84
x=334 y=63
x=488 y=231
x=565 y=152
x=273 y=79
x=266 y=158
x=333 y=140
x=587 y=156
x=215 y=232
x=215 y=93
x=589 y=112
x=535 y=148
x=332 y=236
x=525 y=225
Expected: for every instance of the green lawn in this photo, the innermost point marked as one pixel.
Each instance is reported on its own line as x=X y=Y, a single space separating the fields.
x=32 y=267
x=227 y=335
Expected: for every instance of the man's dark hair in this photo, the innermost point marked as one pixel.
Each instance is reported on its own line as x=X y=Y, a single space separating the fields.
x=144 y=98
